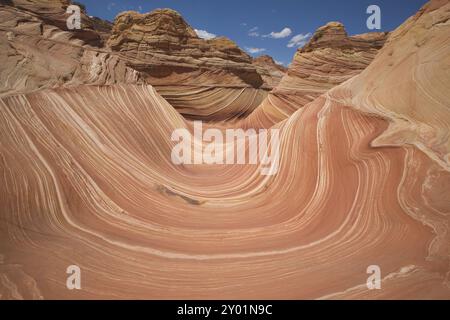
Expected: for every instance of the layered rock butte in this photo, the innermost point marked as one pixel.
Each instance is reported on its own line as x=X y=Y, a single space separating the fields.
x=270 y=71
x=87 y=176
x=330 y=58
x=205 y=79
x=38 y=51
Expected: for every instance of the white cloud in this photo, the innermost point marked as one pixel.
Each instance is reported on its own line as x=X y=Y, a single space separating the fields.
x=253 y=32
x=254 y=50
x=298 y=40
x=244 y=24
x=286 y=32
x=111 y=6
x=281 y=63
x=205 y=34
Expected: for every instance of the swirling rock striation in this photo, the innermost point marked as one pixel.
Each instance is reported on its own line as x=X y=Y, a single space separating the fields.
x=271 y=72
x=409 y=83
x=162 y=45
x=330 y=58
x=212 y=80
x=38 y=52
x=88 y=180
x=204 y=79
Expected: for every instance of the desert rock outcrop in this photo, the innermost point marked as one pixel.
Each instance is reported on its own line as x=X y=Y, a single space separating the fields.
x=330 y=58
x=38 y=52
x=409 y=83
x=204 y=79
x=270 y=71
x=88 y=180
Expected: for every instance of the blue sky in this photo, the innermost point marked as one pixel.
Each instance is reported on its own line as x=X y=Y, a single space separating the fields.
x=267 y=25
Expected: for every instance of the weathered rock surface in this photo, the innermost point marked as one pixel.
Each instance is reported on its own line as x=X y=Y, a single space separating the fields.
x=330 y=58
x=37 y=52
x=409 y=83
x=205 y=79
x=165 y=47
x=88 y=180
x=271 y=72
x=53 y=12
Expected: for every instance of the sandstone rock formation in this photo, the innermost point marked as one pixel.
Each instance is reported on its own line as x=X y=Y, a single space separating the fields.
x=204 y=79
x=88 y=180
x=330 y=58
x=152 y=42
x=37 y=52
x=409 y=84
x=53 y=12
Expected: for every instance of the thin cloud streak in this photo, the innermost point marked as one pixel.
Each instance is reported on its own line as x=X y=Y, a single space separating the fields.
x=299 y=40
x=205 y=34
x=254 y=50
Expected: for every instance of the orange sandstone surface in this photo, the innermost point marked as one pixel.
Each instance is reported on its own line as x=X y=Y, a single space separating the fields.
x=87 y=177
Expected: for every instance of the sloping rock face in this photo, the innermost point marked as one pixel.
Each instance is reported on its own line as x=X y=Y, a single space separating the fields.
x=38 y=52
x=88 y=180
x=103 y=28
x=205 y=79
x=271 y=72
x=53 y=12
x=160 y=40
x=330 y=58
x=409 y=83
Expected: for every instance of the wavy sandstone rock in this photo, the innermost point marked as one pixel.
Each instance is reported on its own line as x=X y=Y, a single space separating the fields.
x=87 y=180
x=409 y=84
x=155 y=41
x=270 y=71
x=205 y=79
x=37 y=52
x=53 y=12
x=330 y=58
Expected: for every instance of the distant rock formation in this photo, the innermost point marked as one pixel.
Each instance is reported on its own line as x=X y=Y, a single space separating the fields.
x=212 y=80
x=270 y=71
x=206 y=79
x=330 y=58
x=102 y=27
x=409 y=83
x=167 y=49
x=53 y=13
x=37 y=51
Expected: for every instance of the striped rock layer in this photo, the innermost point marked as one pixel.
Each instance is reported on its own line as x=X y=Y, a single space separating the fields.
x=38 y=51
x=205 y=79
x=330 y=58
x=87 y=180
x=212 y=80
